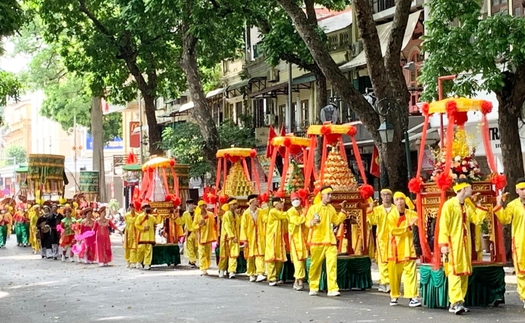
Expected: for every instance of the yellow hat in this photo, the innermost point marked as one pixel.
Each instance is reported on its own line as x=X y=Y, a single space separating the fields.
x=234 y=201
x=201 y=202
x=407 y=199
x=225 y=207
x=459 y=186
x=386 y=190
x=520 y=185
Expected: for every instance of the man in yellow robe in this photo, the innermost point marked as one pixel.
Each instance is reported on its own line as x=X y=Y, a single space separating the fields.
x=130 y=237
x=454 y=240
x=378 y=216
x=229 y=244
x=190 y=244
x=275 y=251
x=145 y=225
x=514 y=213
x=253 y=239
x=204 y=228
x=401 y=252
x=320 y=219
x=297 y=231
x=34 y=214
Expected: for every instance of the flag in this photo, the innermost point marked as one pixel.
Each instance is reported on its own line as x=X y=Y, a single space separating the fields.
x=282 y=150
x=132 y=159
x=269 y=147
x=375 y=163
x=283 y=131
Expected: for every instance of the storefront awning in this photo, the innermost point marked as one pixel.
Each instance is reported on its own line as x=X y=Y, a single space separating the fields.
x=215 y=92
x=307 y=78
x=186 y=106
x=383 y=31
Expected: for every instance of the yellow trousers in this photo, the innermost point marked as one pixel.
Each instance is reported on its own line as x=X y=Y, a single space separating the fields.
x=255 y=266
x=521 y=285
x=299 y=271
x=274 y=270
x=457 y=288
x=407 y=270
x=204 y=256
x=317 y=255
x=190 y=247
x=145 y=254
x=130 y=254
x=382 y=265
x=229 y=264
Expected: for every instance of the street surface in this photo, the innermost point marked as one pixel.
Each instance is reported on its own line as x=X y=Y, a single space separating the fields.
x=36 y=290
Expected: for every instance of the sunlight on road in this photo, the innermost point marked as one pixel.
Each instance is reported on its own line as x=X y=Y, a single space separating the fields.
x=113 y=318
x=20 y=257
x=165 y=273
x=3 y=294
x=35 y=284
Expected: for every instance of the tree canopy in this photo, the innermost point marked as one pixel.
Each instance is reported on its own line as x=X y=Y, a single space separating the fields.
x=485 y=55
x=14 y=155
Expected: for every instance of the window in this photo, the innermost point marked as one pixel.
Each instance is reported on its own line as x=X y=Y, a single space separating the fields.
x=303 y=121
x=517 y=12
x=344 y=39
x=238 y=112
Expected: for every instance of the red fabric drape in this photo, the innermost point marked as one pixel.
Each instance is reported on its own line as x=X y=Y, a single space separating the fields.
x=256 y=176
x=246 y=171
x=309 y=168
x=271 y=169
x=175 y=182
x=218 y=175
x=323 y=161
x=286 y=164
x=165 y=182
x=358 y=160
x=343 y=150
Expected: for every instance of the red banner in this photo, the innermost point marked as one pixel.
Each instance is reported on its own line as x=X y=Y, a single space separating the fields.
x=134 y=136
x=375 y=167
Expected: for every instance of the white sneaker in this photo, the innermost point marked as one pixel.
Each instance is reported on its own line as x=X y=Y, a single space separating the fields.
x=128 y=265
x=139 y=265
x=147 y=267
x=204 y=273
x=253 y=278
x=71 y=259
x=333 y=294
x=232 y=275
x=524 y=303
x=393 y=302
x=260 y=278
x=313 y=292
x=100 y=264
x=272 y=283
x=280 y=282
x=384 y=288
x=221 y=273
x=63 y=258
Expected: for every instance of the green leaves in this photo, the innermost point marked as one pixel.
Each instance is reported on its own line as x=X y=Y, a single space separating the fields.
x=14 y=155
x=459 y=42
x=9 y=86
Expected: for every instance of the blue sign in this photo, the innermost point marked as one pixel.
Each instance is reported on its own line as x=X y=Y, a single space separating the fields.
x=114 y=144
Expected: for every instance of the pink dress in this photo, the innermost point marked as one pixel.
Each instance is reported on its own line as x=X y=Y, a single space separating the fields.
x=101 y=229
x=90 y=243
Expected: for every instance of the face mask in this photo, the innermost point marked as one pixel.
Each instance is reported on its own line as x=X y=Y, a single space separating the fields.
x=296 y=203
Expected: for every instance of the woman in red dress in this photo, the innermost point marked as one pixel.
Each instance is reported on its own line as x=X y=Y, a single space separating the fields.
x=101 y=228
x=89 y=254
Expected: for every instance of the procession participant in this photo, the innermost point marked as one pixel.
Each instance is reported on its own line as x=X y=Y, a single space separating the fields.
x=21 y=222
x=34 y=235
x=229 y=244
x=101 y=227
x=320 y=218
x=297 y=232
x=190 y=243
x=275 y=252
x=45 y=233
x=130 y=237
x=53 y=220
x=204 y=227
x=455 y=241
x=377 y=216
x=401 y=252
x=252 y=238
x=88 y=255
x=145 y=225
x=514 y=213
x=68 y=235
x=5 y=227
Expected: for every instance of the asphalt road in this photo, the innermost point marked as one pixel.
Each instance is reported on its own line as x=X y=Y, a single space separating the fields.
x=36 y=290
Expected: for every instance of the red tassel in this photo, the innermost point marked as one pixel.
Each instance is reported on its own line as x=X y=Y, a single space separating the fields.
x=486 y=107
x=452 y=108
x=500 y=181
x=223 y=199
x=415 y=185
x=366 y=191
x=460 y=118
x=265 y=197
x=352 y=131
x=287 y=142
x=425 y=109
x=253 y=153
x=443 y=181
x=176 y=201
x=326 y=130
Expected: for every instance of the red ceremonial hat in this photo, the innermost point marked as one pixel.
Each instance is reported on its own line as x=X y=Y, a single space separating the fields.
x=294 y=196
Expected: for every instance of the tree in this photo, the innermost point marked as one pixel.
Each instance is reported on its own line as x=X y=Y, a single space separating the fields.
x=109 y=40
x=15 y=155
x=11 y=20
x=67 y=93
x=385 y=73
x=185 y=142
x=486 y=55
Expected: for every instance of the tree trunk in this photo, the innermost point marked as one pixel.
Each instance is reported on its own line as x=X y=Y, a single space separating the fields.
x=201 y=110
x=510 y=100
x=154 y=135
x=97 y=132
x=321 y=100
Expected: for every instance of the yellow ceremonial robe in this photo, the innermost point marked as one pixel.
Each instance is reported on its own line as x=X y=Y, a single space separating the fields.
x=322 y=242
x=130 y=238
x=297 y=232
x=229 y=250
x=378 y=216
x=205 y=236
x=146 y=238
x=190 y=245
x=454 y=232
x=33 y=218
x=401 y=253
x=275 y=252
x=514 y=214
x=253 y=231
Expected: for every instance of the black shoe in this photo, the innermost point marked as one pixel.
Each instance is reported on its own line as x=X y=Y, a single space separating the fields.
x=497 y=302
